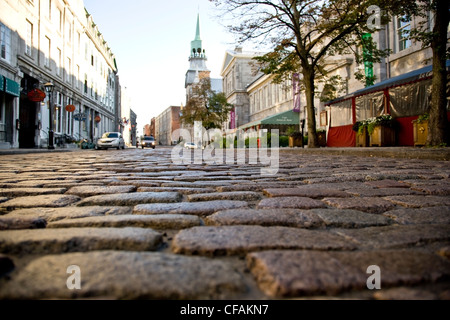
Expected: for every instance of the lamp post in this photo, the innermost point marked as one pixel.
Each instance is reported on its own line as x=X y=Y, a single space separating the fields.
x=49 y=89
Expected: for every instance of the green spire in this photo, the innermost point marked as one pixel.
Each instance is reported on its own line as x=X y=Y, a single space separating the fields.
x=197 y=34
x=197 y=44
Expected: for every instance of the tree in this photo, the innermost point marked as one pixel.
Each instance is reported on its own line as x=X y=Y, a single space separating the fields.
x=206 y=105
x=438 y=133
x=302 y=33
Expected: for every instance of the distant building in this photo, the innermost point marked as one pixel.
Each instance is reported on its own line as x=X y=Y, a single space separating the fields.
x=153 y=127
x=238 y=71
x=147 y=130
x=165 y=124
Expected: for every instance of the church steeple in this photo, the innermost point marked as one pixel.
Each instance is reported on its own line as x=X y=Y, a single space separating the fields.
x=197 y=59
x=197 y=45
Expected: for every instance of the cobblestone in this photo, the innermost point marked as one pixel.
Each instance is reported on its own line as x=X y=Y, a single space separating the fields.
x=127 y=275
x=78 y=239
x=166 y=221
x=203 y=208
x=318 y=273
x=291 y=202
x=141 y=227
x=239 y=240
x=131 y=199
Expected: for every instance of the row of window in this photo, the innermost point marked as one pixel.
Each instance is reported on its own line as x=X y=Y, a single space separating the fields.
x=269 y=95
x=92 y=90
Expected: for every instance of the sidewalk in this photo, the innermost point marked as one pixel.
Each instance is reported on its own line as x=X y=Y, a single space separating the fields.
x=35 y=150
x=442 y=154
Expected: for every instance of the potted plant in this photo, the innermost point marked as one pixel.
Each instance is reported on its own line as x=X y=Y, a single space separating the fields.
x=322 y=137
x=381 y=131
x=362 y=137
x=420 y=126
x=295 y=139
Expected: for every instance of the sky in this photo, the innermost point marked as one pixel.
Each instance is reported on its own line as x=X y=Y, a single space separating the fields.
x=151 y=41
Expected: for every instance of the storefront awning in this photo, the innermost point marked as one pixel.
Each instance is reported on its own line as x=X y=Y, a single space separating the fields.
x=285 y=118
x=12 y=87
x=412 y=76
x=2 y=83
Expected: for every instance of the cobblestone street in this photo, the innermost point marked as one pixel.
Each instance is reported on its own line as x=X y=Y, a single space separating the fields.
x=139 y=226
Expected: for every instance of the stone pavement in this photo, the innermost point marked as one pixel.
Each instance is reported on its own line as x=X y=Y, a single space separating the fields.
x=138 y=226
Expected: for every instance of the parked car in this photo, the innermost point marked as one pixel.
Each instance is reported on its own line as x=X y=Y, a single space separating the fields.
x=148 y=142
x=111 y=140
x=191 y=145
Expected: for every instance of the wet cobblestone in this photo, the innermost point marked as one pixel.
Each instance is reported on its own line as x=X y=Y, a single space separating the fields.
x=141 y=227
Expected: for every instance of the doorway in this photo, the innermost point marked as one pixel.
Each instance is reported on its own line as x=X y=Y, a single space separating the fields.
x=27 y=114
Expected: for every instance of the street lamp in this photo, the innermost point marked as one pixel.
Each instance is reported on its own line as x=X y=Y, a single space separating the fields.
x=49 y=89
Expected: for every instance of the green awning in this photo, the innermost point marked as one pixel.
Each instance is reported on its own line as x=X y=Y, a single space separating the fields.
x=2 y=83
x=284 y=118
x=12 y=87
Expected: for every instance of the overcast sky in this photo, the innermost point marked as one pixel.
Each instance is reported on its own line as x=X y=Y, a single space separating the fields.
x=151 y=41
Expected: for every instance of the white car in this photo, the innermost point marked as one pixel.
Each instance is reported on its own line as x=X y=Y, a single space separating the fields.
x=111 y=140
x=191 y=145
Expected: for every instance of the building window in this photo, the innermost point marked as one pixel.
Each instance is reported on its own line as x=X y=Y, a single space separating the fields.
x=29 y=41
x=78 y=77
x=69 y=32
x=68 y=70
x=403 y=31
x=47 y=48
x=5 y=43
x=59 y=66
x=59 y=19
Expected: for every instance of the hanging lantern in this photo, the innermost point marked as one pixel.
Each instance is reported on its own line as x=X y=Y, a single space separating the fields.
x=98 y=119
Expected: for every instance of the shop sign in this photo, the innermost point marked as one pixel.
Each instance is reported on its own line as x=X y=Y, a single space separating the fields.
x=36 y=95
x=80 y=117
x=70 y=108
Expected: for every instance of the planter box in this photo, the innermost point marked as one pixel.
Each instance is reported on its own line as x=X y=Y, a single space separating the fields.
x=420 y=133
x=295 y=142
x=322 y=137
x=382 y=137
x=363 y=140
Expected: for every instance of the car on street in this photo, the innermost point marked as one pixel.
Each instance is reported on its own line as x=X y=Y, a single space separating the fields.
x=111 y=140
x=148 y=142
x=192 y=145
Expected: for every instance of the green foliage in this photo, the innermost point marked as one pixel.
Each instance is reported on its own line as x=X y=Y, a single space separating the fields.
x=422 y=118
x=207 y=106
x=371 y=123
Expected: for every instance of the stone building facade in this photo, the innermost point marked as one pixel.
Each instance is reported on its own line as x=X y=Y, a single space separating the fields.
x=257 y=98
x=165 y=124
x=239 y=70
x=55 y=41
